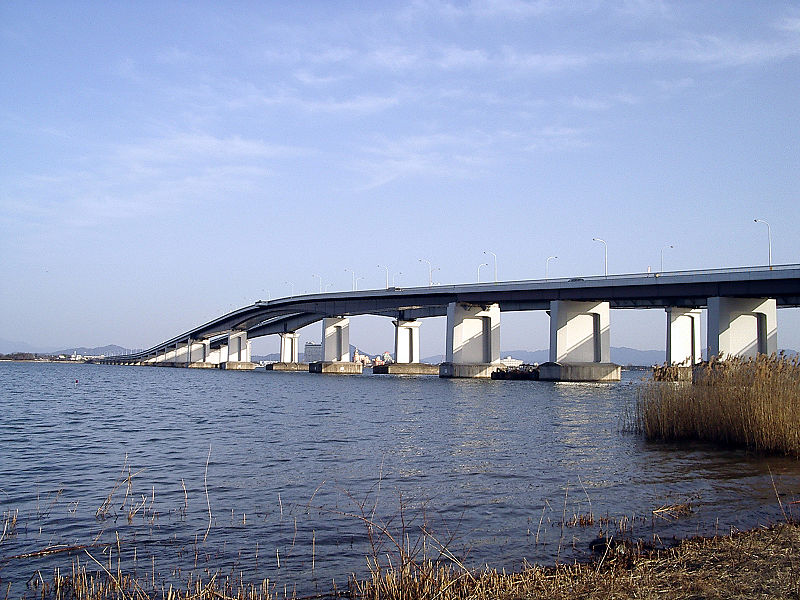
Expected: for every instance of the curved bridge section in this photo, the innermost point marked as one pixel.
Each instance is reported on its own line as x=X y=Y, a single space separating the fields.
x=741 y=305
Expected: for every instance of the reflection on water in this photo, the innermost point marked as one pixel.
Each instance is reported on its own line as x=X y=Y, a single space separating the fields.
x=295 y=460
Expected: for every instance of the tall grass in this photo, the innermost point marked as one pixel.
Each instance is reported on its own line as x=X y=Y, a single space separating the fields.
x=752 y=403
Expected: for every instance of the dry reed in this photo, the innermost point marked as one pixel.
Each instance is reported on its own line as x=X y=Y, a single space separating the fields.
x=764 y=562
x=752 y=403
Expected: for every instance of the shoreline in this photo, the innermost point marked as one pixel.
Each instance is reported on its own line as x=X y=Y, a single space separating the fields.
x=760 y=562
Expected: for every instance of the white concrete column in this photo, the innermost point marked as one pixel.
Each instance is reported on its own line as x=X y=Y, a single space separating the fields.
x=238 y=347
x=169 y=354
x=290 y=347
x=198 y=350
x=218 y=356
x=406 y=341
x=742 y=326
x=473 y=334
x=683 y=336
x=335 y=339
x=579 y=332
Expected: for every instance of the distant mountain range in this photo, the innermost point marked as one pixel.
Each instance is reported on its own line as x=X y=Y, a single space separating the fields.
x=7 y=347
x=620 y=355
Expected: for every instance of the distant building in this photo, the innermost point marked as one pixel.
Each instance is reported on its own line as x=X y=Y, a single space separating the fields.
x=511 y=363
x=313 y=352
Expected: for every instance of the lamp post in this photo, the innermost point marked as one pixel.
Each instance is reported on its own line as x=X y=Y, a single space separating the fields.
x=430 y=270
x=354 y=278
x=291 y=287
x=387 y=274
x=495 y=263
x=356 y=284
x=605 y=247
x=395 y=275
x=769 y=239
x=320 y=281
x=547 y=265
x=479 y=270
x=662 y=256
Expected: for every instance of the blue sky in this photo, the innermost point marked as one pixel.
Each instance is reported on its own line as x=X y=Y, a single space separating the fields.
x=162 y=163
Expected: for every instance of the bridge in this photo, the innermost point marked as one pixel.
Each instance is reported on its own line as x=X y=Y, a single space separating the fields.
x=741 y=304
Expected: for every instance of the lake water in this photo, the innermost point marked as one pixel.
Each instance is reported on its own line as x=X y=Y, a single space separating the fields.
x=290 y=464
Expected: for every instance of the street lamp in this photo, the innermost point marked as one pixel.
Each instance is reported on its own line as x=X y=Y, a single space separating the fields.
x=387 y=274
x=395 y=275
x=547 y=265
x=662 y=256
x=479 y=270
x=354 y=278
x=495 y=263
x=605 y=246
x=291 y=286
x=769 y=239
x=320 y=281
x=430 y=270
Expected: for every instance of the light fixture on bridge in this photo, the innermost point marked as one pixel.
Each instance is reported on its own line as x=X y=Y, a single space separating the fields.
x=605 y=247
x=662 y=256
x=430 y=270
x=387 y=274
x=479 y=270
x=495 y=263
x=547 y=265
x=769 y=239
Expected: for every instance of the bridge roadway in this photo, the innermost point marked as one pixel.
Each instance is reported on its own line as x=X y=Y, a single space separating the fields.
x=689 y=290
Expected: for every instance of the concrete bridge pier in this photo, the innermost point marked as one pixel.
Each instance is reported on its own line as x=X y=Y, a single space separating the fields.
x=289 y=354
x=290 y=347
x=406 y=341
x=238 y=352
x=406 y=352
x=199 y=351
x=580 y=343
x=683 y=336
x=742 y=326
x=473 y=341
x=336 y=349
x=217 y=356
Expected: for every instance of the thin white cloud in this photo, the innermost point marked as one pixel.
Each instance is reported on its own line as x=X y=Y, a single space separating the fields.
x=183 y=146
x=671 y=86
x=142 y=179
x=477 y=9
x=433 y=155
x=717 y=50
x=791 y=24
x=554 y=138
x=462 y=58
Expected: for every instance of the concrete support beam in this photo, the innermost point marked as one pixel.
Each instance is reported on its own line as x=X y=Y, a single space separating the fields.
x=217 y=356
x=238 y=347
x=335 y=339
x=579 y=332
x=683 y=336
x=406 y=341
x=197 y=355
x=290 y=347
x=473 y=340
x=742 y=326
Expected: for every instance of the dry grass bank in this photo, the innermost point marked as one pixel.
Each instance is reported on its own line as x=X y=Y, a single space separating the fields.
x=753 y=403
x=762 y=563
